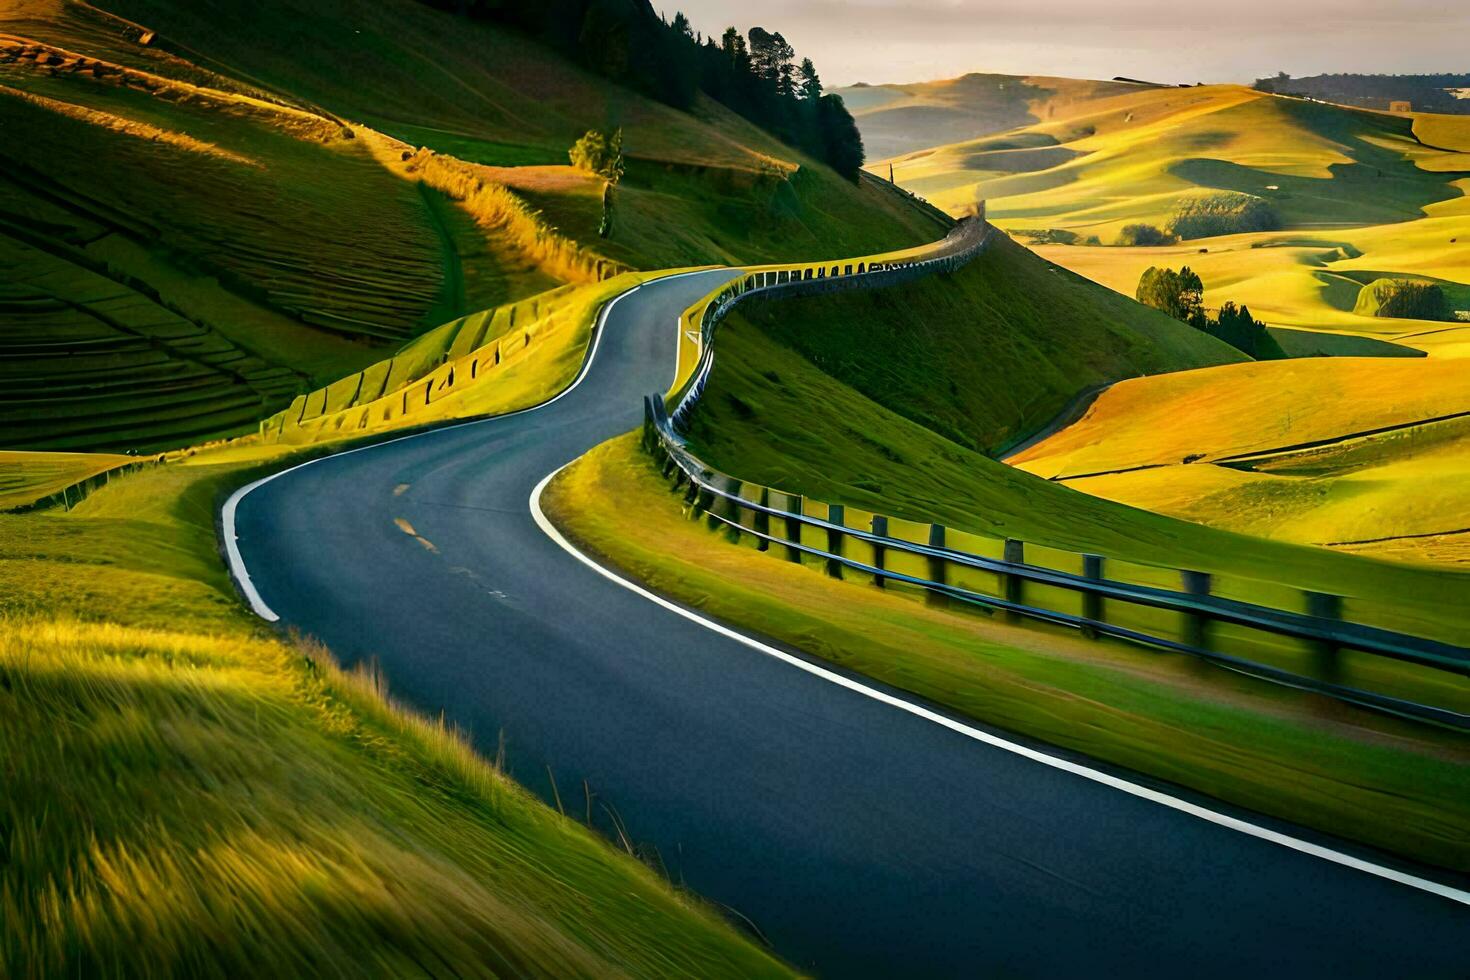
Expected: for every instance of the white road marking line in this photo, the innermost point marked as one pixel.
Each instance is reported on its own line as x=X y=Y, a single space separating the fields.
x=1065 y=765
x=236 y=561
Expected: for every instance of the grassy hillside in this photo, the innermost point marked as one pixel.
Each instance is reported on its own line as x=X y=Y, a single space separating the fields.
x=1356 y=453
x=769 y=412
x=899 y=119
x=209 y=799
x=1136 y=157
x=197 y=229
x=987 y=355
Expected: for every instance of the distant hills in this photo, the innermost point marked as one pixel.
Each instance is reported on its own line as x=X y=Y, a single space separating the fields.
x=1424 y=93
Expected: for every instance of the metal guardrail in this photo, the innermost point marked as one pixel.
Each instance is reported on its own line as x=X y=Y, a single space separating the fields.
x=719 y=497
x=968 y=237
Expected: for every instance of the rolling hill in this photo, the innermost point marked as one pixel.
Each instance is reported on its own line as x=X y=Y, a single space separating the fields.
x=899 y=119
x=1306 y=206
x=247 y=206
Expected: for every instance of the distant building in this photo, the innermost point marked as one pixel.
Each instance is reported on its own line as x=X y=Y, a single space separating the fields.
x=1400 y=105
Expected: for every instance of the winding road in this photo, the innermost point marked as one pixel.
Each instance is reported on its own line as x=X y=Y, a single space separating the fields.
x=860 y=834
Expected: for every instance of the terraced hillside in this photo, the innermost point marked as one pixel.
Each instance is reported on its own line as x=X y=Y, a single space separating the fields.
x=194 y=233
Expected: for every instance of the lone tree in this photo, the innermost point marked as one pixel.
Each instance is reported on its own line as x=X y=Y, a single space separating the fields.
x=1179 y=294
x=601 y=154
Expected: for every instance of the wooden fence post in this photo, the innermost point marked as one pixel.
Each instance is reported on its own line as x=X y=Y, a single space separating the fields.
x=763 y=521
x=938 y=567
x=1092 y=603
x=718 y=505
x=1196 y=626
x=1014 y=551
x=880 y=528
x=793 y=526
x=1324 y=605
x=835 y=515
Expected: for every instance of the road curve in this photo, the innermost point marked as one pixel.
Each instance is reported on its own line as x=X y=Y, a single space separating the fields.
x=860 y=839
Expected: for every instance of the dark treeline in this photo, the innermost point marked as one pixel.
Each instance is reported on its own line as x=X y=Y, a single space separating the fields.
x=757 y=75
x=1427 y=93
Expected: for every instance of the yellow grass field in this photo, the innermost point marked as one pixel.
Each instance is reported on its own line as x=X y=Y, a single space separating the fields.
x=1356 y=196
x=1364 y=454
x=26 y=477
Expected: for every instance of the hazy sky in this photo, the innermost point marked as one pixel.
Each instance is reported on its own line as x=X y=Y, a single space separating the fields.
x=1182 y=41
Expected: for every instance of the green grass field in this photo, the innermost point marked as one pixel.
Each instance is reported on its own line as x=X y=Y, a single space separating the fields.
x=211 y=799
x=1399 y=786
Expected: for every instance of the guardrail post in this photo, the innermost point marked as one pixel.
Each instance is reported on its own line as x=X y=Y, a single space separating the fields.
x=650 y=435
x=691 y=494
x=1196 y=626
x=793 y=526
x=1092 y=602
x=720 y=505
x=1324 y=605
x=880 y=528
x=1014 y=551
x=763 y=522
x=835 y=515
x=938 y=567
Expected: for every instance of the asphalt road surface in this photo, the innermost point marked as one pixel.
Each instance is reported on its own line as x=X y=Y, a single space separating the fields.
x=860 y=839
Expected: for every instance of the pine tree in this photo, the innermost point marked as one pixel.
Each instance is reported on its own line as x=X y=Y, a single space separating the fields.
x=811 y=85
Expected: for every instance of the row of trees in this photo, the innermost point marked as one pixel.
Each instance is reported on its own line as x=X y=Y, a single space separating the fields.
x=757 y=75
x=1181 y=295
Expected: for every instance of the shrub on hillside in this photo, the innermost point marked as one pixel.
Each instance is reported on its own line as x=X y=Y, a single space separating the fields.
x=1245 y=333
x=1223 y=214
x=1141 y=234
x=599 y=153
x=1057 y=236
x=1181 y=295
x=1412 y=299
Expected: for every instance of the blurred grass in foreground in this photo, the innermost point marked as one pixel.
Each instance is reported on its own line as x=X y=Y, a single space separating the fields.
x=187 y=794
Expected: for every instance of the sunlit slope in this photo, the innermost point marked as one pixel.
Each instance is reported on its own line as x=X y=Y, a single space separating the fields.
x=1359 y=453
x=1134 y=156
x=1309 y=280
x=898 y=119
x=989 y=354
x=1354 y=196
x=701 y=186
x=27 y=477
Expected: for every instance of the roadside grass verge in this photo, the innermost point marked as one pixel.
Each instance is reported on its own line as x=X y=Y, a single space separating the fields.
x=1394 y=785
x=188 y=793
